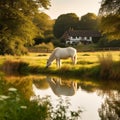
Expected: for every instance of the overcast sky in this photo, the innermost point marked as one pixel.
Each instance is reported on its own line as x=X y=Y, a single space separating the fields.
x=80 y=7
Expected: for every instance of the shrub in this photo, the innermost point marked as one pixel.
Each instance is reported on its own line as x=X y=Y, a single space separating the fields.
x=106 y=64
x=12 y=67
x=13 y=106
x=48 y=46
x=109 y=69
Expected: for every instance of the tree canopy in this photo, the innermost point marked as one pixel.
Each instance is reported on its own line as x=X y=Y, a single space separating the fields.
x=45 y=26
x=64 y=22
x=17 y=29
x=72 y=21
x=110 y=7
x=110 y=18
x=88 y=22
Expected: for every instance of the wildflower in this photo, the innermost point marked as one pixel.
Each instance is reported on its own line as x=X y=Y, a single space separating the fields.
x=3 y=97
x=12 y=89
x=23 y=107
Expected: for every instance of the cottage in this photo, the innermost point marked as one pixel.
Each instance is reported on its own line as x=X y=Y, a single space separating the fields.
x=80 y=36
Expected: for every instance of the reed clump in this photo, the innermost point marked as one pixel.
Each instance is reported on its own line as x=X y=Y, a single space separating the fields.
x=15 y=67
x=109 y=69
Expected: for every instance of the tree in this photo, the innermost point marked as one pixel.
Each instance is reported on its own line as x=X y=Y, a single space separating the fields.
x=110 y=7
x=110 y=18
x=45 y=26
x=88 y=22
x=16 y=27
x=64 y=22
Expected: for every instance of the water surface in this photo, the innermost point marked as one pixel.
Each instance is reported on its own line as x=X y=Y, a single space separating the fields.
x=97 y=100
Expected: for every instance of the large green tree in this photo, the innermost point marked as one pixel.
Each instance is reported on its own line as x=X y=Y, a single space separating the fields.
x=88 y=22
x=16 y=27
x=45 y=26
x=110 y=18
x=64 y=22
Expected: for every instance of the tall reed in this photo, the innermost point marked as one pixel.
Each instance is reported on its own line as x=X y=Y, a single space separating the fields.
x=16 y=66
x=109 y=69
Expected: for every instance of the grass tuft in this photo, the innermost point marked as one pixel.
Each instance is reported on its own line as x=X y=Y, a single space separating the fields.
x=109 y=69
x=15 y=67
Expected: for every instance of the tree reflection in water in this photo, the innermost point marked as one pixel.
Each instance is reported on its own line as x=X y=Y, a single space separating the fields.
x=110 y=109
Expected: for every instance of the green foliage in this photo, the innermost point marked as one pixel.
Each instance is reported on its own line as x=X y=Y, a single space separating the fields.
x=48 y=46
x=13 y=106
x=88 y=66
x=109 y=6
x=108 y=69
x=62 y=111
x=45 y=27
x=12 y=67
x=88 y=22
x=110 y=26
x=71 y=20
x=110 y=17
x=64 y=22
x=16 y=26
x=104 y=42
x=106 y=63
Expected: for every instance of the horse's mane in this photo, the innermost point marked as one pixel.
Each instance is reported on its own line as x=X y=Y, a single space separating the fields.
x=53 y=53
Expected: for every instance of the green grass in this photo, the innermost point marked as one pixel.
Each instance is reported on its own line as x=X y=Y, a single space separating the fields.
x=89 y=64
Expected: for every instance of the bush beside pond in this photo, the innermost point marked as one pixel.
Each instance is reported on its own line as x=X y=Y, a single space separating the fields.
x=13 y=106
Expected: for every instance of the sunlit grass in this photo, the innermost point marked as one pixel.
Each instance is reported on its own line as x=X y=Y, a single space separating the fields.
x=86 y=63
x=86 y=59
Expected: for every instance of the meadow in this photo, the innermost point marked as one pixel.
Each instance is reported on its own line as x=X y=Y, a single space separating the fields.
x=16 y=105
x=103 y=64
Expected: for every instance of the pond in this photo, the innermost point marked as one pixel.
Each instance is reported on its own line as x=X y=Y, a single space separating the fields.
x=97 y=99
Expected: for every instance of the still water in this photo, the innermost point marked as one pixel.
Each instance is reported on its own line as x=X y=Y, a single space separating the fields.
x=97 y=100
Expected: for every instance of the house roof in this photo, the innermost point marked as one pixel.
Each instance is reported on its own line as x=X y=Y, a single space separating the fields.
x=81 y=33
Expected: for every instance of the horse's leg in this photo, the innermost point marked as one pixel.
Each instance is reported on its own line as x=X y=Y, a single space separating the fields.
x=58 y=63
x=74 y=59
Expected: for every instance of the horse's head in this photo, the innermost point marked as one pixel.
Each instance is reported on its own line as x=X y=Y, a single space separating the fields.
x=48 y=64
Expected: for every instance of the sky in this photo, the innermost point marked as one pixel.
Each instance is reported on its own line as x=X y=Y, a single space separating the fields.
x=80 y=7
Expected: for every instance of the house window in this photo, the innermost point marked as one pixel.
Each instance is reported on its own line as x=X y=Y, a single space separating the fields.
x=85 y=38
x=80 y=37
x=90 y=38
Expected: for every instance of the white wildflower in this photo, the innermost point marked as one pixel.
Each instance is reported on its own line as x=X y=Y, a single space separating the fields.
x=3 y=97
x=23 y=107
x=12 y=89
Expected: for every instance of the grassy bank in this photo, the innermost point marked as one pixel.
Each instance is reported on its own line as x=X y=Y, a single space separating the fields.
x=102 y=65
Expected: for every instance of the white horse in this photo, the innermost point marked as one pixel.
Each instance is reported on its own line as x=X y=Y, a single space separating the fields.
x=62 y=53
x=66 y=89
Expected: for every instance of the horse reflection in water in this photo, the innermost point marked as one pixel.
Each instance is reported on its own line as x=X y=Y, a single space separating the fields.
x=62 y=53
x=59 y=88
